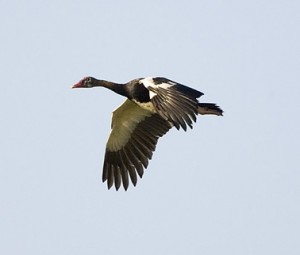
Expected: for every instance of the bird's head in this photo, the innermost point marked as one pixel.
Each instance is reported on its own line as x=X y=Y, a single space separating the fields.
x=86 y=82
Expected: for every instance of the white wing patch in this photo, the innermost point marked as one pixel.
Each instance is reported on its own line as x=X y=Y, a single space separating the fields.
x=148 y=82
x=152 y=94
x=124 y=120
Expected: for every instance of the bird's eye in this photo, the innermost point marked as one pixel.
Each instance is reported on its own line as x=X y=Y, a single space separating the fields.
x=88 y=82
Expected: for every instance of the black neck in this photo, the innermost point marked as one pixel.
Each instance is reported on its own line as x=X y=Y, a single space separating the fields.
x=116 y=87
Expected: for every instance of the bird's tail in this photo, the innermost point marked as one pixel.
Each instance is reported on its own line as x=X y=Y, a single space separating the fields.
x=208 y=108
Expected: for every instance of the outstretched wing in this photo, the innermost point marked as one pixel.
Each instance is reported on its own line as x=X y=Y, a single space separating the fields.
x=173 y=101
x=132 y=141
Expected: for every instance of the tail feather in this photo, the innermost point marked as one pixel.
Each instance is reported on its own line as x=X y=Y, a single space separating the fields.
x=208 y=108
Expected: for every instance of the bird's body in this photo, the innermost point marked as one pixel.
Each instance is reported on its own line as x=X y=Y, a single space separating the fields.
x=153 y=106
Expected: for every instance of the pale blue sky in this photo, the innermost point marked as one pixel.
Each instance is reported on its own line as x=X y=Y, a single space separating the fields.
x=229 y=186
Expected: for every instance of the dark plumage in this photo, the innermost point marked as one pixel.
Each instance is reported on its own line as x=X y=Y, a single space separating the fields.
x=154 y=106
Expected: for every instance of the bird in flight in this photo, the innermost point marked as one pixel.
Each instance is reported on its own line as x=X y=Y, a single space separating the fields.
x=153 y=106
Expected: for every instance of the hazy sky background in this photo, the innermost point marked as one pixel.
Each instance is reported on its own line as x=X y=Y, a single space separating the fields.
x=229 y=186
